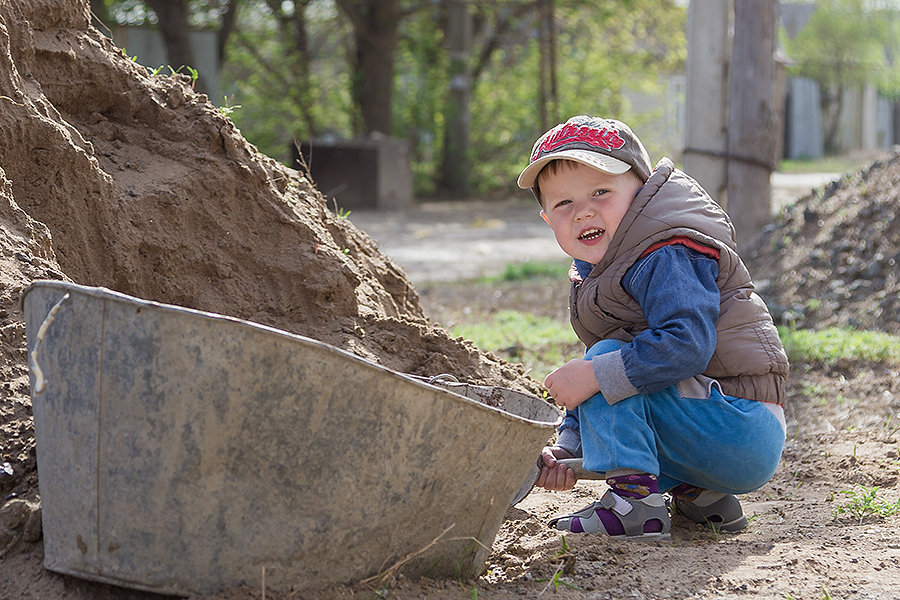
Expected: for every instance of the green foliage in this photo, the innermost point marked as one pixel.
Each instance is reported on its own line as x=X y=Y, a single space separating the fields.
x=846 y=44
x=203 y=13
x=888 y=80
x=840 y=45
x=420 y=89
x=828 y=346
x=603 y=49
x=285 y=95
x=288 y=65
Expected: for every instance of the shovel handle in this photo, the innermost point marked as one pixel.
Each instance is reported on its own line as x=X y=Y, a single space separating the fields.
x=580 y=473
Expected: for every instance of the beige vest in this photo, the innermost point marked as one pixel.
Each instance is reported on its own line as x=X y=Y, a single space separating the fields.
x=749 y=360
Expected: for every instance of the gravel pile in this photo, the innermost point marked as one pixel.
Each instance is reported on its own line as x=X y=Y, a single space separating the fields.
x=831 y=258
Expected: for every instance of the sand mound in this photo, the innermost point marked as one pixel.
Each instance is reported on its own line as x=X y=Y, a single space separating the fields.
x=116 y=178
x=833 y=257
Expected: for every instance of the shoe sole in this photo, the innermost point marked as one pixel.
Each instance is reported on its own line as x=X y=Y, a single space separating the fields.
x=731 y=526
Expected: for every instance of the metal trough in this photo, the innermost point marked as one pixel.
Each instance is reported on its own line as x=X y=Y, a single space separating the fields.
x=184 y=452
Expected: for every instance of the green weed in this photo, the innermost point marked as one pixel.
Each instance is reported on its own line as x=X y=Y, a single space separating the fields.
x=891 y=426
x=194 y=73
x=565 y=566
x=863 y=504
x=565 y=547
x=227 y=107
x=812 y=390
x=557 y=580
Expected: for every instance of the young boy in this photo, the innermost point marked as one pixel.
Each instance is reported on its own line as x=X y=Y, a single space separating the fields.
x=682 y=386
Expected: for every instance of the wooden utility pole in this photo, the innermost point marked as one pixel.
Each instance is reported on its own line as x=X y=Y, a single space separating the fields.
x=732 y=132
x=707 y=95
x=753 y=132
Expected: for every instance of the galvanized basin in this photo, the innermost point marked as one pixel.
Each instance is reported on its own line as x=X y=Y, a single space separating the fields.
x=183 y=452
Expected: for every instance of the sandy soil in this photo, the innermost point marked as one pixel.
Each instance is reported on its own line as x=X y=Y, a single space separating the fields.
x=112 y=177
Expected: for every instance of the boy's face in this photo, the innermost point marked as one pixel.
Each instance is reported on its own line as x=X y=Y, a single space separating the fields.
x=584 y=207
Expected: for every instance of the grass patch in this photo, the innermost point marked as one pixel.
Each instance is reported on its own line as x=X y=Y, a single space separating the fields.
x=827 y=164
x=528 y=270
x=828 y=346
x=543 y=343
x=512 y=327
x=539 y=343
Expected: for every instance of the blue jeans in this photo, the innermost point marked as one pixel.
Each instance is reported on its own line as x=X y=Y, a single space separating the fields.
x=722 y=443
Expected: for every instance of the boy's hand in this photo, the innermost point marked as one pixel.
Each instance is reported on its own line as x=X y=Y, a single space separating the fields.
x=572 y=383
x=555 y=476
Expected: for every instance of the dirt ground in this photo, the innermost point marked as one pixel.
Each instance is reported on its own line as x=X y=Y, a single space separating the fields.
x=843 y=434
x=112 y=177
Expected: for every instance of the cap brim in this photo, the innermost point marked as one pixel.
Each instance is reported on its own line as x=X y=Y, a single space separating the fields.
x=602 y=162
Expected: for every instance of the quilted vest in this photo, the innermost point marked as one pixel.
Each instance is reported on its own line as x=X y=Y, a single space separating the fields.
x=749 y=360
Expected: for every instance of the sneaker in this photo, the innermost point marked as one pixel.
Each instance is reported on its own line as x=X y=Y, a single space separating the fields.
x=718 y=511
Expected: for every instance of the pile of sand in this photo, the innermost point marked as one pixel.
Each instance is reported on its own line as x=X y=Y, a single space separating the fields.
x=112 y=177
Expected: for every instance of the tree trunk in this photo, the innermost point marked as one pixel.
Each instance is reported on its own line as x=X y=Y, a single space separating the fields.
x=752 y=117
x=831 y=103
x=228 y=21
x=455 y=163
x=707 y=95
x=375 y=33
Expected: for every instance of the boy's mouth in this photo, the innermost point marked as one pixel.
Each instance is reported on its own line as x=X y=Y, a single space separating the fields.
x=591 y=234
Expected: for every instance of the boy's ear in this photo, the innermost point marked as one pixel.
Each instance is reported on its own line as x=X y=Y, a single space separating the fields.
x=545 y=217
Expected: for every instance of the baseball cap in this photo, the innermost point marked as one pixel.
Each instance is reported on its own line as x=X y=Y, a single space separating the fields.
x=605 y=144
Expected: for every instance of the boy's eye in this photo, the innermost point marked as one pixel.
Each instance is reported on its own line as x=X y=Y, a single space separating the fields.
x=601 y=192
x=562 y=203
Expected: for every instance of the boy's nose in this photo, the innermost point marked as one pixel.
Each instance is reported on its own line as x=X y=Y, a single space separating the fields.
x=584 y=211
